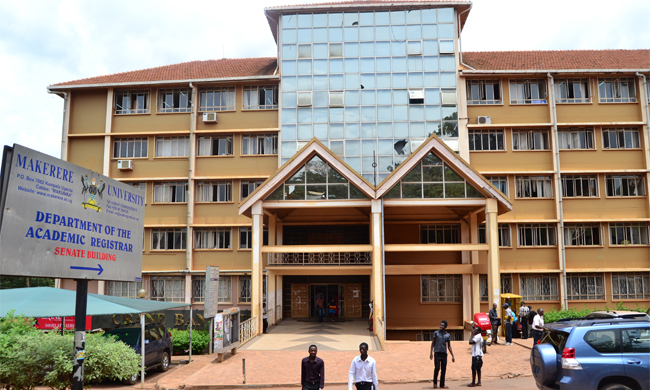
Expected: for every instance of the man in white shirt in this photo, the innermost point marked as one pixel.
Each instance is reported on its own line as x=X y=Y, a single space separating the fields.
x=477 y=356
x=509 y=321
x=538 y=326
x=363 y=371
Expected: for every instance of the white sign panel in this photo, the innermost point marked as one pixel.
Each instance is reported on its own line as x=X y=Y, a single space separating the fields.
x=211 y=293
x=60 y=220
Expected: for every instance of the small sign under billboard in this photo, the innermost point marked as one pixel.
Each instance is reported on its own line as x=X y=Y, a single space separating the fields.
x=211 y=291
x=60 y=220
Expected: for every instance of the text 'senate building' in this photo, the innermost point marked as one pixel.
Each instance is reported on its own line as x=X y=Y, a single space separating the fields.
x=373 y=160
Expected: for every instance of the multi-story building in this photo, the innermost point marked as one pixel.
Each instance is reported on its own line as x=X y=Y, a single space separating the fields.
x=374 y=161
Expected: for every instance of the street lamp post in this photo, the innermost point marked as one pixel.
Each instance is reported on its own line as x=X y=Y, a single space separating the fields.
x=142 y=293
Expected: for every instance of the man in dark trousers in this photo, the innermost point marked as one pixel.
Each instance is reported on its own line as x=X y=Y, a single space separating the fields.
x=441 y=341
x=312 y=371
x=363 y=371
x=523 y=318
x=495 y=321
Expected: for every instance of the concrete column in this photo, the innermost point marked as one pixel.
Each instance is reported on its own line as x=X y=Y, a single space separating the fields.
x=476 y=293
x=278 y=295
x=256 y=266
x=377 y=277
x=106 y=166
x=467 y=278
x=188 y=288
x=494 y=273
x=270 y=296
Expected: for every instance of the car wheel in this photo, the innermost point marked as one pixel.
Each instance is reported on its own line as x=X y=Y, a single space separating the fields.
x=132 y=380
x=164 y=362
x=615 y=386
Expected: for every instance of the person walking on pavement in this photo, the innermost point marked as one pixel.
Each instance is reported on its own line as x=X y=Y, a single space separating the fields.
x=265 y=322
x=495 y=321
x=538 y=326
x=320 y=307
x=477 y=356
x=509 y=321
x=312 y=371
x=523 y=320
x=363 y=371
x=441 y=341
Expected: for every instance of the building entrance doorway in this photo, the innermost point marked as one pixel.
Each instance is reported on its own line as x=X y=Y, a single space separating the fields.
x=343 y=297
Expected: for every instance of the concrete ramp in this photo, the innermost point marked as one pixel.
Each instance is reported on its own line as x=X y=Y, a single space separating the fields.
x=296 y=335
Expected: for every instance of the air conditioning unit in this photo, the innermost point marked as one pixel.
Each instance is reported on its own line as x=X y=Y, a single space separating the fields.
x=484 y=120
x=210 y=117
x=126 y=165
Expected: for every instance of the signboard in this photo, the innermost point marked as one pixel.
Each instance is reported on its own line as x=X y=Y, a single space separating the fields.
x=218 y=332
x=60 y=220
x=211 y=293
x=55 y=323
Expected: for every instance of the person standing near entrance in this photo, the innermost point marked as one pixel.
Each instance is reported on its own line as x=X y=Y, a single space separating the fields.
x=265 y=322
x=509 y=320
x=363 y=371
x=495 y=321
x=538 y=326
x=312 y=371
x=370 y=319
x=320 y=307
x=441 y=341
x=523 y=320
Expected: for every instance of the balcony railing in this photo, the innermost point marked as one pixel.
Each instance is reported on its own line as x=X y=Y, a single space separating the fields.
x=320 y=258
x=247 y=330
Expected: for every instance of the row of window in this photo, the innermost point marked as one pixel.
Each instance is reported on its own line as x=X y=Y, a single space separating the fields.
x=534 y=91
x=580 y=286
x=216 y=145
x=573 y=186
x=383 y=98
x=568 y=139
x=209 y=238
x=206 y=191
x=210 y=99
x=545 y=234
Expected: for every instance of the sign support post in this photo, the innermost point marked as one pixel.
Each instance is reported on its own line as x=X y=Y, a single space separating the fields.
x=80 y=334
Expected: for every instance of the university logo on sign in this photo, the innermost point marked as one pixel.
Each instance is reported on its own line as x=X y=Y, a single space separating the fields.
x=92 y=193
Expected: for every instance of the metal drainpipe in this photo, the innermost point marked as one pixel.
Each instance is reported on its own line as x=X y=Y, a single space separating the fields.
x=460 y=46
x=383 y=266
x=190 y=175
x=64 y=140
x=647 y=111
x=565 y=302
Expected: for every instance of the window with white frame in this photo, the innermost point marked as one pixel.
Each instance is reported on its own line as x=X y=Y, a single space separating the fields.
x=625 y=185
x=245 y=237
x=536 y=234
x=213 y=191
x=248 y=186
x=258 y=144
x=216 y=145
x=506 y=283
x=442 y=288
x=533 y=187
x=175 y=100
x=483 y=92
x=630 y=285
x=621 y=138
x=414 y=48
x=486 y=139
x=260 y=97
x=585 y=287
x=170 y=192
x=198 y=288
x=217 y=99
x=483 y=287
x=244 y=289
x=172 y=146
x=579 y=186
x=130 y=147
x=167 y=239
x=530 y=140
x=503 y=231
x=500 y=182
x=576 y=138
x=216 y=238
x=538 y=287
x=304 y=50
x=123 y=289
x=582 y=234
x=132 y=102
x=225 y=289
x=528 y=91
x=336 y=99
x=572 y=91
x=440 y=234
x=304 y=99
x=168 y=288
x=336 y=50
x=138 y=185
x=628 y=233
x=616 y=90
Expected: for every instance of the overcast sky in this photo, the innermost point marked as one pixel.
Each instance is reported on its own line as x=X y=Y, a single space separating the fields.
x=46 y=42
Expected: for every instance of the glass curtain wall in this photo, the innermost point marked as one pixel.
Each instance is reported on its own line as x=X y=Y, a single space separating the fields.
x=368 y=83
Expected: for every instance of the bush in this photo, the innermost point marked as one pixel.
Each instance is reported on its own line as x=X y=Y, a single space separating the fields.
x=554 y=315
x=181 y=341
x=29 y=357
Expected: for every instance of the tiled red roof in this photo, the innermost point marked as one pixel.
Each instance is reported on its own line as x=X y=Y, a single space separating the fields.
x=194 y=70
x=558 y=59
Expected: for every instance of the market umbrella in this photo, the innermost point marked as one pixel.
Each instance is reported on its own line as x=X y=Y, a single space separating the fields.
x=56 y=302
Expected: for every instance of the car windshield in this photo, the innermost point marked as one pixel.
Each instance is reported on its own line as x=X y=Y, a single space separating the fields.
x=556 y=339
x=127 y=336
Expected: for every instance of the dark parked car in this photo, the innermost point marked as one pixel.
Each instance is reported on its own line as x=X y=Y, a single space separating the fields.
x=603 y=354
x=158 y=345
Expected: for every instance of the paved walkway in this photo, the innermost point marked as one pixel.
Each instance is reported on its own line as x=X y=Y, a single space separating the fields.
x=295 y=335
